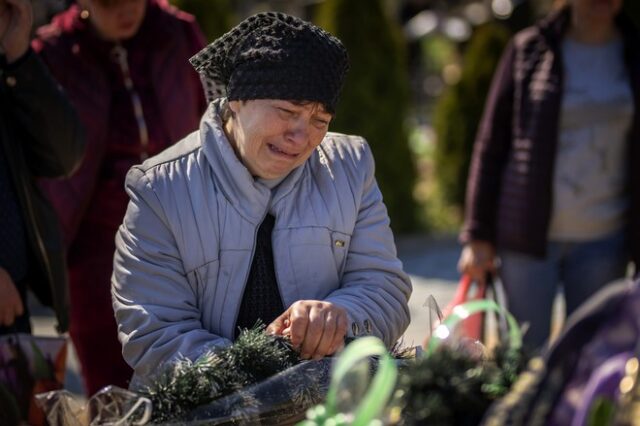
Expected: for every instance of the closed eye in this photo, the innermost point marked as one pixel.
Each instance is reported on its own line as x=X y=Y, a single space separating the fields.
x=320 y=123
x=284 y=112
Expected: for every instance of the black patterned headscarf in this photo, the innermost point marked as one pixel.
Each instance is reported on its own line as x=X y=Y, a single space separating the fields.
x=275 y=56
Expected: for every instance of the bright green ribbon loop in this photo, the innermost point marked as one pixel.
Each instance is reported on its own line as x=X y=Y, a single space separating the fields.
x=463 y=311
x=376 y=398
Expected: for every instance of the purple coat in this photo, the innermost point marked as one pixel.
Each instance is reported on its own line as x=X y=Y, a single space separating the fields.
x=509 y=191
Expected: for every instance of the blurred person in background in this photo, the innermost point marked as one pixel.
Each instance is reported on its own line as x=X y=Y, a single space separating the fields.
x=551 y=191
x=124 y=65
x=40 y=136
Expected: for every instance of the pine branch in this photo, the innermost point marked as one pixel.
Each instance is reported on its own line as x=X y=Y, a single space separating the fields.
x=186 y=384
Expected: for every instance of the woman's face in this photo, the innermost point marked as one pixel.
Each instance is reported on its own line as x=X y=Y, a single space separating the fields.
x=273 y=137
x=596 y=12
x=115 y=20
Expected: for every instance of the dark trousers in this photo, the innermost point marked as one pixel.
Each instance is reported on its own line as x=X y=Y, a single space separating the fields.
x=93 y=328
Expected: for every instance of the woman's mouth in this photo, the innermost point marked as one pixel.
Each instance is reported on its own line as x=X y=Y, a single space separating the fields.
x=278 y=151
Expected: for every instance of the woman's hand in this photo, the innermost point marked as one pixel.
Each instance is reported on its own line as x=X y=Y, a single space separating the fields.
x=10 y=301
x=477 y=258
x=316 y=328
x=16 y=19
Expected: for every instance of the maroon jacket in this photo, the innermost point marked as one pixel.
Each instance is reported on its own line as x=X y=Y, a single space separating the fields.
x=509 y=191
x=158 y=56
x=92 y=203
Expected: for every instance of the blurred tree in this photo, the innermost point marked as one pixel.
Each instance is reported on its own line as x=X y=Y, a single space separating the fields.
x=374 y=102
x=459 y=110
x=215 y=17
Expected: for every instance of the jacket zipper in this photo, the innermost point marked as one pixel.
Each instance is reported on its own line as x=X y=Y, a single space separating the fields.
x=119 y=53
x=275 y=270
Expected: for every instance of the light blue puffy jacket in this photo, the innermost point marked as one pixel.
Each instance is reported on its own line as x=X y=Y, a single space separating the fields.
x=185 y=247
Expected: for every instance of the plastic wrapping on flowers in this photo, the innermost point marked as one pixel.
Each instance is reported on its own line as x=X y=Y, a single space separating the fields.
x=110 y=406
x=280 y=400
x=260 y=380
x=284 y=398
x=362 y=390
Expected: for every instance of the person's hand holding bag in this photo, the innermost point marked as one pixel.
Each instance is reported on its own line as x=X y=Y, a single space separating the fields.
x=10 y=302
x=477 y=259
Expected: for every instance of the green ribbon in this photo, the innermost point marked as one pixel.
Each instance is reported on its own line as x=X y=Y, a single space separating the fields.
x=376 y=398
x=463 y=311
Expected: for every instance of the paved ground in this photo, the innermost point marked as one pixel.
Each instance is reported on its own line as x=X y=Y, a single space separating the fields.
x=431 y=263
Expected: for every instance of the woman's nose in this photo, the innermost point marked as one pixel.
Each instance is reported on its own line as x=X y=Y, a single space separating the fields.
x=298 y=131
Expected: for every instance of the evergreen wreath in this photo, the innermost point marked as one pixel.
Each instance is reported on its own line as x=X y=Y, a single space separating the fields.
x=185 y=384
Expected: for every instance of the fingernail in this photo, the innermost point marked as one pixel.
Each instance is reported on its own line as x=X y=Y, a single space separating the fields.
x=317 y=357
x=304 y=356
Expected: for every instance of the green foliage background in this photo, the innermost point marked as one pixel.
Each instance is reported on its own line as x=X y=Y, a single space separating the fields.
x=374 y=102
x=459 y=110
x=215 y=17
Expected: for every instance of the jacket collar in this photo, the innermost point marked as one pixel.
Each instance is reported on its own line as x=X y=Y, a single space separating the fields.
x=554 y=26
x=249 y=196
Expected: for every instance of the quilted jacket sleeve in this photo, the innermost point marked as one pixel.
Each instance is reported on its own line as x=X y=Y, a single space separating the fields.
x=154 y=303
x=489 y=155
x=374 y=289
